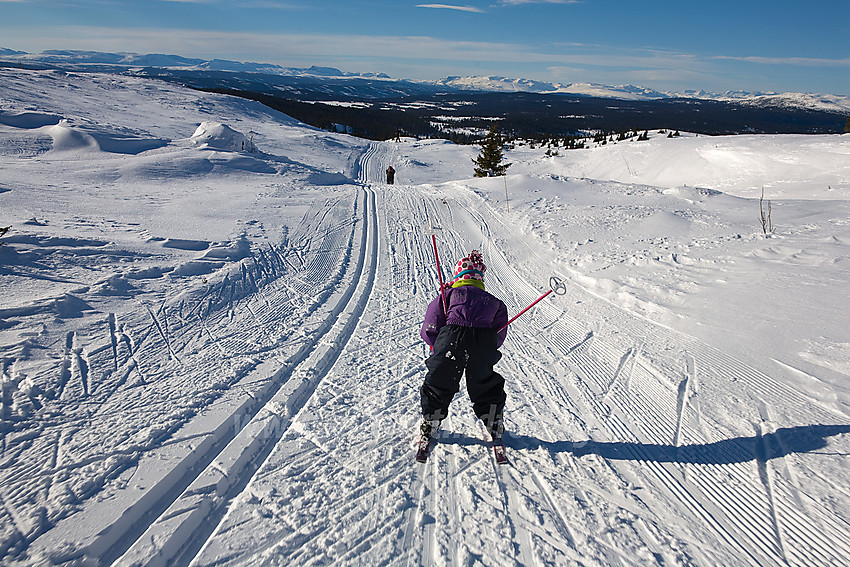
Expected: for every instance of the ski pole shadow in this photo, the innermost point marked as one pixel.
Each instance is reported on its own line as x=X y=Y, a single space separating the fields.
x=785 y=441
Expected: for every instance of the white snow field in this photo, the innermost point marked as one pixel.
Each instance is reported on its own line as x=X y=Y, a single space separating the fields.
x=210 y=352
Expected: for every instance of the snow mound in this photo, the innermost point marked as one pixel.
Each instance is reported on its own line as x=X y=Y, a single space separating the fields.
x=662 y=224
x=67 y=138
x=236 y=250
x=215 y=135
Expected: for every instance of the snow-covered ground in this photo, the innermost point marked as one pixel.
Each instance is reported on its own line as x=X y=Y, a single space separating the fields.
x=210 y=353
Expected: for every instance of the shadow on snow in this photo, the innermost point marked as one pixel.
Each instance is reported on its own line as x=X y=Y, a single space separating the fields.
x=785 y=441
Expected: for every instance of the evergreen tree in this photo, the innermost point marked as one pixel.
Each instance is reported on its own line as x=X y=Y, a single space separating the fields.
x=847 y=126
x=489 y=161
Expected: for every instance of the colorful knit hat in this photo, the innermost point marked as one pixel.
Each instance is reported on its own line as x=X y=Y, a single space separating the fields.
x=470 y=268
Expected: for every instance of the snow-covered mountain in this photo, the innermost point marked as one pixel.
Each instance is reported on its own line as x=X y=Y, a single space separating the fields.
x=504 y=84
x=121 y=61
x=130 y=60
x=828 y=102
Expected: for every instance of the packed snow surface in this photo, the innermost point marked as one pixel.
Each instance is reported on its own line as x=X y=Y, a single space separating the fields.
x=210 y=352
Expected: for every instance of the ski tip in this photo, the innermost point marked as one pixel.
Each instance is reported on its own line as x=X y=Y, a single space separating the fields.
x=423 y=449
x=499 y=452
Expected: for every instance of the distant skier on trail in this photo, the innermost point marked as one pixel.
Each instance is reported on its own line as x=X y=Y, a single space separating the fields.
x=465 y=337
x=390 y=175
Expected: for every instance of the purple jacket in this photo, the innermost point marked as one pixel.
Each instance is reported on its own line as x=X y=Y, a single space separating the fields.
x=469 y=306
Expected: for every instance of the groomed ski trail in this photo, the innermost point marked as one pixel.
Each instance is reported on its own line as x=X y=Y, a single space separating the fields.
x=616 y=425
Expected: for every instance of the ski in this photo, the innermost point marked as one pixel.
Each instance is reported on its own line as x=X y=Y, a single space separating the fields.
x=423 y=449
x=499 y=452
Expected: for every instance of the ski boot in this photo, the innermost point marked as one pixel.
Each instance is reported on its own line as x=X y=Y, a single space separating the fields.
x=429 y=427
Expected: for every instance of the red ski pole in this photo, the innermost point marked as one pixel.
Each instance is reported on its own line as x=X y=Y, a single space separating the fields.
x=439 y=273
x=555 y=285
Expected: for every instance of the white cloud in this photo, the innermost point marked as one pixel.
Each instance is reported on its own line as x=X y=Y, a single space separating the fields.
x=452 y=7
x=796 y=61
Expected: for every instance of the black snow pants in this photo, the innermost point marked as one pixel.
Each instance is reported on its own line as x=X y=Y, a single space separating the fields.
x=455 y=350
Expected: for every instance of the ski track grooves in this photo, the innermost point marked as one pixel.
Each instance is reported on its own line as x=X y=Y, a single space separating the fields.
x=623 y=391
x=593 y=374
x=179 y=530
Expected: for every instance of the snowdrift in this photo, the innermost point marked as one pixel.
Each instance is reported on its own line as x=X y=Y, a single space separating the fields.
x=214 y=135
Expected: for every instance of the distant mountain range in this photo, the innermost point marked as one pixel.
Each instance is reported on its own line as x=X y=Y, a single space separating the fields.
x=827 y=102
x=142 y=64
x=89 y=59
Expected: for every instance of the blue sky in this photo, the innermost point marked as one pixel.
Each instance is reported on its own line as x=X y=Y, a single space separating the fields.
x=714 y=45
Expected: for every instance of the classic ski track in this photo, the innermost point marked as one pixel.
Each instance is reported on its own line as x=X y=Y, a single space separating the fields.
x=141 y=347
x=448 y=478
x=414 y=515
x=188 y=537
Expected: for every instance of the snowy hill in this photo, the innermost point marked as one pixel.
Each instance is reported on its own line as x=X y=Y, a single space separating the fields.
x=210 y=351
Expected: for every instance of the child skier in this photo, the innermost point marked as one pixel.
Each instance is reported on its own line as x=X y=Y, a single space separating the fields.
x=466 y=336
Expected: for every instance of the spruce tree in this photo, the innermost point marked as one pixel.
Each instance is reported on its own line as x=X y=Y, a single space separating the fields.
x=489 y=161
